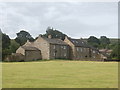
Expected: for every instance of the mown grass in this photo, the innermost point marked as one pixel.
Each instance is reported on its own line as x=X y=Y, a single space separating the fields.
x=60 y=74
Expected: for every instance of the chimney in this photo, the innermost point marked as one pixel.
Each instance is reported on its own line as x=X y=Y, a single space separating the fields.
x=81 y=38
x=66 y=37
x=49 y=36
x=28 y=41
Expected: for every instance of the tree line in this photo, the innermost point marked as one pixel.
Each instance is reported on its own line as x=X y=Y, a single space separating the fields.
x=10 y=46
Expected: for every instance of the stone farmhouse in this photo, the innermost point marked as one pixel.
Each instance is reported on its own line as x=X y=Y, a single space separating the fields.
x=80 y=50
x=51 y=48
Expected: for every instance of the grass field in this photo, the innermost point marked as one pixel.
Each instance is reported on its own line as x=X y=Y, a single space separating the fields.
x=60 y=74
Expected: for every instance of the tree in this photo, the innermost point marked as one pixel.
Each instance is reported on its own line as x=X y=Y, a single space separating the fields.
x=14 y=46
x=5 y=41
x=22 y=37
x=93 y=41
x=5 y=46
x=54 y=33
x=104 y=42
x=116 y=51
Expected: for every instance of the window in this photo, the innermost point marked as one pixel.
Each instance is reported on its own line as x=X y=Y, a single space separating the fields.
x=93 y=51
x=93 y=56
x=81 y=49
x=64 y=54
x=77 y=48
x=54 y=54
x=76 y=41
x=64 y=47
x=54 y=47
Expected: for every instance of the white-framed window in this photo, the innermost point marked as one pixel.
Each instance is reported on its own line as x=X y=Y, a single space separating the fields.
x=54 y=47
x=76 y=41
x=64 y=47
x=93 y=51
x=54 y=54
x=81 y=49
x=77 y=48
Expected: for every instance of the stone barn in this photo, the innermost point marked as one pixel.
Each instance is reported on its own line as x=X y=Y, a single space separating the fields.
x=52 y=48
x=30 y=53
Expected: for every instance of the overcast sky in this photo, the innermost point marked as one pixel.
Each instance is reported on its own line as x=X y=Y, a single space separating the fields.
x=76 y=19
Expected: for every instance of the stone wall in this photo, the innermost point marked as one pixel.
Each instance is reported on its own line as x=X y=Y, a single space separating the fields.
x=32 y=55
x=42 y=45
x=71 y=49
x=16 y=57
x=59 y=51
x=20 y=50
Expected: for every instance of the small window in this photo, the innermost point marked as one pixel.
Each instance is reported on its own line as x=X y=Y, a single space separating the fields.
x=76 y=41
x=54 y=47
x=54 y=54
x=64 y=54
x=93 y=51
x=64 y=47
x=77 y=48
x=81 y=49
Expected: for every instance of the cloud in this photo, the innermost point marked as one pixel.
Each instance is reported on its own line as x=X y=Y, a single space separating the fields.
x=78 y=19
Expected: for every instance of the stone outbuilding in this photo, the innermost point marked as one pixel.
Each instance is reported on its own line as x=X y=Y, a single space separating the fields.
x=15 y=57
x=30 y=53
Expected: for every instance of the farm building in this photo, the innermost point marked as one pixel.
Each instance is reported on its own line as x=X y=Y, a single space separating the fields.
x=52 y=48
x=80 y=50
x=30 y=53
x=15 y=57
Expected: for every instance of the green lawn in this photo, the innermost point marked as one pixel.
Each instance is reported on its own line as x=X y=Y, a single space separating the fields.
x=60 y=74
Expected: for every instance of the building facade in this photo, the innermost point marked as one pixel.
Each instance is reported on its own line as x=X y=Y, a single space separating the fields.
x=80 y=50
x=52 y=48
x=30 y=53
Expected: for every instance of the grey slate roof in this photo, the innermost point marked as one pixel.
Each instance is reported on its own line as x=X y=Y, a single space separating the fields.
x=30 y=48
x=79 y=42
x=55 y=41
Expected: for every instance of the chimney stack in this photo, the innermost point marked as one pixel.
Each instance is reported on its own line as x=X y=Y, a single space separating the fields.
x=49 y=36
x=28 y=40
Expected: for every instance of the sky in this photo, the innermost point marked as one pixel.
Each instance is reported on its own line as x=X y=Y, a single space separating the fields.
x=76 y=19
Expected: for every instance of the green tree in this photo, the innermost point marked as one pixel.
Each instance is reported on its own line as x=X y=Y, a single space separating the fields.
x=14 y=46
x=54 y=33
x=93 y=41
x=104 y=42
x=5 y=46
x=116 y=51
x=23 y=36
